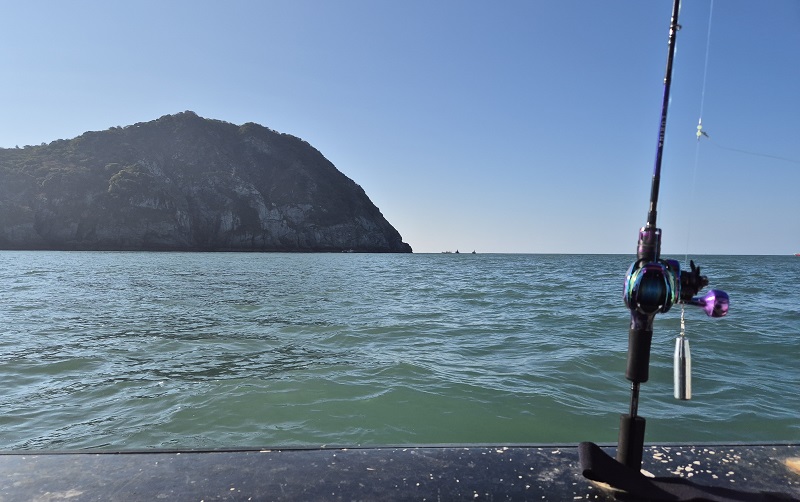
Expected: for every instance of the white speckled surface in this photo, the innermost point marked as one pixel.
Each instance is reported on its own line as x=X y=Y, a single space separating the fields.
x=392 y=473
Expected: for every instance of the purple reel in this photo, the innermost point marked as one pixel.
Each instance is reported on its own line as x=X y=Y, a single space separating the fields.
x=715 y=303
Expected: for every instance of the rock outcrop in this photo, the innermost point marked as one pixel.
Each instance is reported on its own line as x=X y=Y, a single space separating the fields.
x=183 y=182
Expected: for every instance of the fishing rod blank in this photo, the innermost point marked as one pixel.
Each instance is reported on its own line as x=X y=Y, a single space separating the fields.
x=652 y=286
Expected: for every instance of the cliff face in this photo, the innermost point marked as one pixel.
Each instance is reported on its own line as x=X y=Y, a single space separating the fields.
x=183 y=182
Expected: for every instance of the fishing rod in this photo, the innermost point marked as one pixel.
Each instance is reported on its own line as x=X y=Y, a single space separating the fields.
x=652 y=286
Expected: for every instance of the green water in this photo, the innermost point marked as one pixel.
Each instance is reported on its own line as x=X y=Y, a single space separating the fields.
x=185 y=350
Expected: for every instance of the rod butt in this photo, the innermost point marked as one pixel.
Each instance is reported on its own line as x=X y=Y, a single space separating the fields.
x=631 y=441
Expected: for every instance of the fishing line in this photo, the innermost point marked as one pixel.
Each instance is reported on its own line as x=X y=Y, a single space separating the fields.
x=682 y=359
x=748 y=152
x=705 y=66
x=700 y=131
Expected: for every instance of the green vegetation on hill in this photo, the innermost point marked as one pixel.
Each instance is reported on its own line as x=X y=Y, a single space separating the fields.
x=183 y=182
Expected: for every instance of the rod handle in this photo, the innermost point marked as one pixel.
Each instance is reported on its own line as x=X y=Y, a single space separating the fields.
x=631 y=441
x=639 y=341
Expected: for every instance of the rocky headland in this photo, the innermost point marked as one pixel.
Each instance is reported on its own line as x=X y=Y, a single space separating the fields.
x=185 y=183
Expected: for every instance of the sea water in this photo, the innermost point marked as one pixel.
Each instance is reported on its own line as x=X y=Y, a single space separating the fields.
x=107 y=350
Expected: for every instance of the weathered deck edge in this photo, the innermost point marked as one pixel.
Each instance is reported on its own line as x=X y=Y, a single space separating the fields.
x=408 y=472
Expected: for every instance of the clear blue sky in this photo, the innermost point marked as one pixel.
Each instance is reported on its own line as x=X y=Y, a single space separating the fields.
x=512 y=126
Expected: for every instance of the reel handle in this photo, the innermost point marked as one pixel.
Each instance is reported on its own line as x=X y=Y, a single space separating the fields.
x=715 y=303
